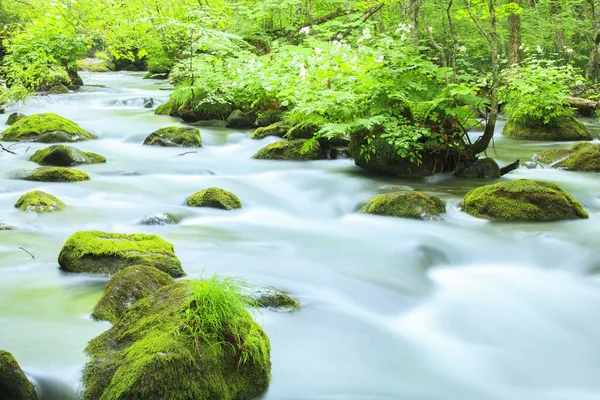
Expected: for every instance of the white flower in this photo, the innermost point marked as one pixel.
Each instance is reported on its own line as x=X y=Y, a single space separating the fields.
x=462 y=49
x=268 y=88
x=430 y=29
x=366 y=33
x=234 y=84
x=304 y=31
x=484 y=82
x=302 y=72
x=340 y=36
x=318 y=50
x=379 y=59
x=539 y=49
x=570 y=50
x=403 y=28
x=403 y=37
x=251 y=61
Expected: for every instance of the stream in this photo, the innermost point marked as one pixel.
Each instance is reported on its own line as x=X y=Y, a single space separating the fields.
x=393 y=308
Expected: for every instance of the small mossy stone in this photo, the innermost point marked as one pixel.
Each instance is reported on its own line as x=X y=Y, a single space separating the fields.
x=14 y=384
x=522 y=200
x=560 y=129
x=151 y=353
x=274 y=300
x=125 y=288
x=98 y=252
x=55 y=174
x=290 y=150
x=39 y=202
x=175 y=136
x=239 y=120
x=4 y=227
x=14 y=117
x=65 y=156
x=160 y=219
x=483 y=168
x=215 y=198
x=58 y=89
x=46 y=128
x=406 y=204
x=276 y=129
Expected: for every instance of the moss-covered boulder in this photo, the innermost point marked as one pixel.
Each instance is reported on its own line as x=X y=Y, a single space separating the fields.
x=65 y=156
x=199 y=112
x=14 y=117
x=45 y=128
x=276 y=129
x=188 y=340
x=268 y=117
x=55 y=174
x=522 y=200
x=239 y=120
x=560 y=129
x=578 y=157
x=302 y=132
x=98 y=252
x=14 y=384
x=274 y=300
x=215 y=198
x=95 y=64
x=58 y=89
x=290 y=150
x=160 y=219
x=4 y=227
x=175 y=136
x=168 y=108
x=406 y=204
x=483 y=168
x=40 y=202
x=125 y=288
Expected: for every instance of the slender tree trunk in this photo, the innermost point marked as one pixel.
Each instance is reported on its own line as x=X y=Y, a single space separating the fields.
x=452 y=58
x=514 y=36
x=415 y=8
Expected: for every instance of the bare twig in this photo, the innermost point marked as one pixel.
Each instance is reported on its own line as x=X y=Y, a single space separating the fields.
x=26 y=251
x=28 y=147
x=7 y=150
x=183 y=154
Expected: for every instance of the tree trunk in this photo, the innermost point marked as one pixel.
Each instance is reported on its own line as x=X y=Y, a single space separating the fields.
x=514 y=36
x=415 y=8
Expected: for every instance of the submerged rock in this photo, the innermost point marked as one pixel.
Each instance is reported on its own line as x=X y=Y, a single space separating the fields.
x=483 y=168
x=273 y=299
x=58 y=89
x=276 y=129
x=4 y=227
x=187 y=340
x=290 y=150
x=239 y=120
x=215 y=198
x=160 y=219
x=522 y=200
x=65 y=156
x=40 y=202
x=406 y=204
x=125 y=288
x=14 y=384
x=45 y=128
x=578 y=157
x=175 y=136
x=561 y=129
x=55 y=174
x=98 y=252
x=14 y=117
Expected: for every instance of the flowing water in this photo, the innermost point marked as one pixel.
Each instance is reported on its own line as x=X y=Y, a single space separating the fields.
x=394 y=308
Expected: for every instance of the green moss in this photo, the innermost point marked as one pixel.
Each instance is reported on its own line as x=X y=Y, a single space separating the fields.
x=406 y=204
x=268 y=117
x=175 y=136
x=45 y=128
x=14 y=384
x=6 y=227
x=215 y=198
x=552 y=156
x=160 y=65
x=187 y=340
x=65 y=156
x=58 y=89
x=55 y=174
x=95 y=64
x=291 y=150
x=302 y=132
x=483 y=168
x=276 y=129
x=106 y=253
x=168 y=108
x=561 y=129
x=39 y=202
x=239 y=120
x=522 y=200
x=125 y=288
x=14 y=117
x=274 y=299
x=161 y=219
x=581 y=156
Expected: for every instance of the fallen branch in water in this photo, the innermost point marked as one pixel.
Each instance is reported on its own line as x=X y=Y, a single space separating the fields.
x=25 y=250
x=183 y=154
x=7 y=150
x=510 y=167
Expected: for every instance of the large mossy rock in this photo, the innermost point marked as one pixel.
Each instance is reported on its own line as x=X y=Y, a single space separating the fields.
x=434 y=159
x=65 y=156
x=239 y=120
x=188 y=340
x=98 y=252
x=201 y=112
x=522 y=200
x=290 y=150
x=125 y=288
x=40 y=202
x=578 y=157
x=175 y=136
x=406 y=204
x=55 y=174
x=215 y=198
x=560 y=129
x=14 y=384
x=45 y=128
x=14 y=117
x=276 y=129
x=483 y=168
x=95 y=64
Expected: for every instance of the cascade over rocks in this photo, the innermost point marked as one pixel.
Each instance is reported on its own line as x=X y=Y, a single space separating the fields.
x=522 y=200
x=14 y=384
x=578 y=157
x=566 y=128
x=406 y=204
x=40 y=202
x=175 y=136
x=45 y=128
x=290 y=150
x=214 y=198
x=65 y=156
x=98 y=252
